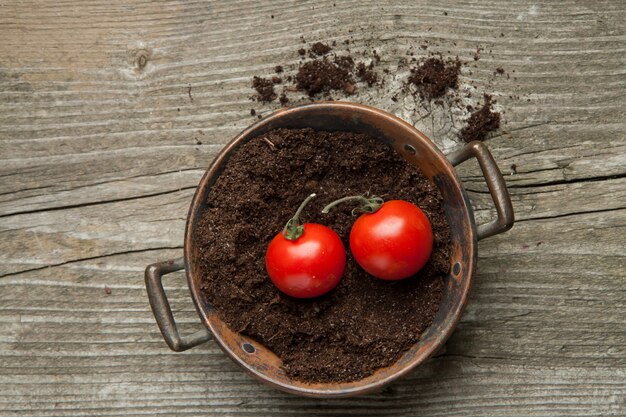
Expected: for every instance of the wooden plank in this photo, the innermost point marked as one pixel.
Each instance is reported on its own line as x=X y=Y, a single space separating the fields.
x=537 y=337
x=110 y=112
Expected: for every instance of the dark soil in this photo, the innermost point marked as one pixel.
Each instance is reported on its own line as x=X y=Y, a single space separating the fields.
x=481 y=122
x=264 y=88
x=319 y=75
x=435 y=76
x=323 y=75
x=319 y=48
x=366 y=74
x=342 y=71
x=363 y=324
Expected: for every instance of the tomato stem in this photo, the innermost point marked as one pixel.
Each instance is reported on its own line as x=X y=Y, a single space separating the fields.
x=368 y=204
x=294 y=227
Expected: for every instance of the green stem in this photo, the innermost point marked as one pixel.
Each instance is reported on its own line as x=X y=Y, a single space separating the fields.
x=294 y=227
x=368 y=204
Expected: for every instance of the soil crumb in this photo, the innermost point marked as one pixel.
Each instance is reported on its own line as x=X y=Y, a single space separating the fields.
x=319 y=48
x=481 y=122
x=322 y=76
x=435 y=76
x=366 y=74
x=264 y=89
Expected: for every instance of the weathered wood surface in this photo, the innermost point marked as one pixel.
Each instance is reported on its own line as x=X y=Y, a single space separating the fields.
x=99 y=157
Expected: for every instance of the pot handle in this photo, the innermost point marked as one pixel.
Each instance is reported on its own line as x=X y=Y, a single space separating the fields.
x=495 y=182
x=162 y=310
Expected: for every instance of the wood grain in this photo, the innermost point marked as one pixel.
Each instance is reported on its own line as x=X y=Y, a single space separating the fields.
x=110 y=113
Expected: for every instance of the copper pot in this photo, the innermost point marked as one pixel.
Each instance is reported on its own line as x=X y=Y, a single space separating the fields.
x=418 y=150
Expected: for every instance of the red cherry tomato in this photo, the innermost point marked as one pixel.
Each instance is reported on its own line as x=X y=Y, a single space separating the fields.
x=394 y=242
x=308 y=266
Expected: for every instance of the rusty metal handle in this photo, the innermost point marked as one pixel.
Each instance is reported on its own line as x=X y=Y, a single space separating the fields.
x=495 y=182
x=162 y=310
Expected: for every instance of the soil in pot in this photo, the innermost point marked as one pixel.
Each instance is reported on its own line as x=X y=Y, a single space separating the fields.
x=363 y=324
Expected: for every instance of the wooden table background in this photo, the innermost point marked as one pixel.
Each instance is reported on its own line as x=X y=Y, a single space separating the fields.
x=110 y=113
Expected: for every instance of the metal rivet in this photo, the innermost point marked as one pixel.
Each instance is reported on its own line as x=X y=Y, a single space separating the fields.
x=248 y=348
x=410 y=149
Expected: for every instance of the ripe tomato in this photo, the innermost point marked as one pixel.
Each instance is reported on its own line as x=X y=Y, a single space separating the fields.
x=310 y=265
x=394 y=242
x=305 y=260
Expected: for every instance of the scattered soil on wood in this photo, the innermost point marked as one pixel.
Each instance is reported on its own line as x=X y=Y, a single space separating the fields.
x=481 y=122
